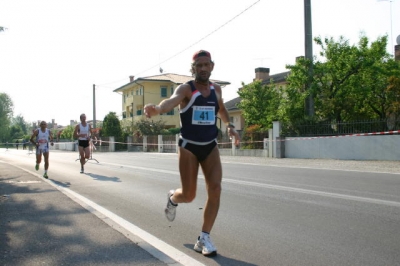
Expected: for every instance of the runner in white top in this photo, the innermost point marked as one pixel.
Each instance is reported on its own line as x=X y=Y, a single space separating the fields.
x=82 y=132
x=41 y=138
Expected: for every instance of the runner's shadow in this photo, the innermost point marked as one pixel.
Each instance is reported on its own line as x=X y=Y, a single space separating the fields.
x=222 y=260
x=61 y=184
x=103 y=178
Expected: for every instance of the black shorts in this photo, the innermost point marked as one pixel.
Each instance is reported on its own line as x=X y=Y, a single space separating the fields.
x=200 y=151
x=83 y=143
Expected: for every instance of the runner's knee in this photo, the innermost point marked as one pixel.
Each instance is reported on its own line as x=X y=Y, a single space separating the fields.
x=214 y=189
x=189 y=196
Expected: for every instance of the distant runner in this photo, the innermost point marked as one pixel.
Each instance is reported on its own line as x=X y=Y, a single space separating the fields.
x=82 y=132
x=41 y=138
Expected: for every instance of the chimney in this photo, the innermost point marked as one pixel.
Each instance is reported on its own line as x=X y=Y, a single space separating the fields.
x=131 y=78
x=262 y=73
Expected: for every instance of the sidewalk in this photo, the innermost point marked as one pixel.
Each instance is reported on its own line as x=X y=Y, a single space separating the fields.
x=39 y=225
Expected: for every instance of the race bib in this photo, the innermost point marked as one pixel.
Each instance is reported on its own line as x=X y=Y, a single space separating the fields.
x=203 y=115
x=42 y=141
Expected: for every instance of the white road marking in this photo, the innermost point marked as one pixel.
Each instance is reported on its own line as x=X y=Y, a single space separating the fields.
x=319 y=193
x=150 y=243
x=282 y=188
x=315 y=167
x=23 y=182
x=162 y=250
x=153 y=245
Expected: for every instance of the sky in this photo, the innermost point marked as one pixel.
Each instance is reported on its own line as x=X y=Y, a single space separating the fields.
x=53 y=51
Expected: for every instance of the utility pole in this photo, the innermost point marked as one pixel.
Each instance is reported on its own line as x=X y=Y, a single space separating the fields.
x=94 y=106
x=132 y=116
x=308 y=41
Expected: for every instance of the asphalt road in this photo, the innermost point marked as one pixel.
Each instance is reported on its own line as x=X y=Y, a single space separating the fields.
x=273 y=211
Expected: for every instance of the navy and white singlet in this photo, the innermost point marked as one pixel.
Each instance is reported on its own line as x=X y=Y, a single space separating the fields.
x=198 y=123
x=198 y=118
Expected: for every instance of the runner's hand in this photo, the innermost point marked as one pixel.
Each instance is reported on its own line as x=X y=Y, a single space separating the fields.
x=233 y=133
x=151 y=110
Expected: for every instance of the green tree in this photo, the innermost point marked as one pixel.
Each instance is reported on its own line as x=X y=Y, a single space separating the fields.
x=292 y=110
x=126 y=126
x=6 y=112
x=67 y=133
x=348 y=83
x=112 y=128
x=393 y=91
x=174 y=131
x=378 y=91
x=148 y=128
x=16 y=132
x=20 y=121
x=259 y=103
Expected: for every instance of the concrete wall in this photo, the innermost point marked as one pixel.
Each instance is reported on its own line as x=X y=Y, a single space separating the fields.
x=246 y=152
x=374 y=147
x=66 y=146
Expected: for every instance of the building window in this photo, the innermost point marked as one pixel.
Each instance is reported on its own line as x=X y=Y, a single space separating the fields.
x=163 y=92
x=139 y=109
x=139 y=91
x=172 y=90
x=171 y=112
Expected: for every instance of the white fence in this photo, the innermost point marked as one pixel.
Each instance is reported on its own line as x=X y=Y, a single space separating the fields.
x=377 y=146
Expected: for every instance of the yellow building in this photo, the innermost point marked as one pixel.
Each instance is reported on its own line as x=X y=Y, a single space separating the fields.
x=152 y=89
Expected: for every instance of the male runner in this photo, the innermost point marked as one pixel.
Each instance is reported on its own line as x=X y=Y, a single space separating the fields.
x=41 y=138
x=83 y=131
x=199 y=103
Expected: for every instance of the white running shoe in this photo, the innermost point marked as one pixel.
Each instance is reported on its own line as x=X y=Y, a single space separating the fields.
x=205 y=246
x=170 y=210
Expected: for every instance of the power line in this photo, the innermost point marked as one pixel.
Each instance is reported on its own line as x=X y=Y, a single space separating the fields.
x=175 y=55
x=201 y=38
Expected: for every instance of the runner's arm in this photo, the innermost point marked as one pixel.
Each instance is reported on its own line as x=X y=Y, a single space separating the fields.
x=76 y=132
x=167 y=105
x=34 y=136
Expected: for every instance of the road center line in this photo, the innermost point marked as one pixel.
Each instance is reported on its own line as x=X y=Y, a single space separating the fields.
x=282 y=188
x=315 y=192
